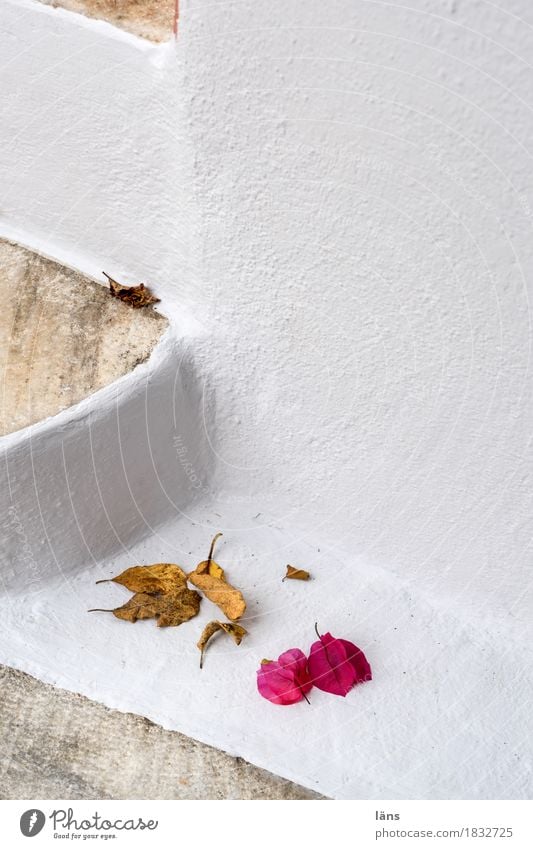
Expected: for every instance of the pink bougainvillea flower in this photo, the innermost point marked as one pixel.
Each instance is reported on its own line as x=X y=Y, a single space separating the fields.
x=284 y=681
x=336 y=666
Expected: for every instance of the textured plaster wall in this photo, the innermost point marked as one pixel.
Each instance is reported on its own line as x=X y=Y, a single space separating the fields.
x=95 y=162
x=341 y=195
x=364 y=175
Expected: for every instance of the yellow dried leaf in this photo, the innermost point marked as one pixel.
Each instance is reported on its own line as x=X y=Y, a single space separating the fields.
x=135 y=296
x=212 y=582
x=209 y=565
x=157 y=578
x=236 y=632
x=171 y=608
x=296 y=574
x=229 y=599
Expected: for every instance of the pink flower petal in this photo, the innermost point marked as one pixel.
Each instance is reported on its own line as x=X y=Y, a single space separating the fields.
x=286 y=680
x=335 y=666
x=292 y=656
x=278 y=690
x=359 y=662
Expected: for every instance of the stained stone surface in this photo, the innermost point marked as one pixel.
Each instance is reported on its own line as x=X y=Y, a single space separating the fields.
x=152 y=19
x=61 y=337
x=56 y=745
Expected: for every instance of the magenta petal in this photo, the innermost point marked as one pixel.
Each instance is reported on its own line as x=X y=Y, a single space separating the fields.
x=359 y=662
x=294 y=661
x=328 y=665
x=292 y=656
x=278 y=691
x=266 y=691
x=284 y=681
x=275 y=685
x=337 y=665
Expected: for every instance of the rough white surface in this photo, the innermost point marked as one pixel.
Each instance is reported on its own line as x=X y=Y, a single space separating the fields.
x=366 y=187
x=341 y=193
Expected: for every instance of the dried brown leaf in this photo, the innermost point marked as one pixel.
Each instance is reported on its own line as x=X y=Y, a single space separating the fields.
x=210 y=579
x=296 y=574
x=136 y=296
x=236 y=632
x=228 y=598
x=171 y=608
x=209 y=566
x=157 y=578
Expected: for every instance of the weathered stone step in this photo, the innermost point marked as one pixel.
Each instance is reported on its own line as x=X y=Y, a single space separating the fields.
x=61 y=745
x=62 y=337
x=152 y=19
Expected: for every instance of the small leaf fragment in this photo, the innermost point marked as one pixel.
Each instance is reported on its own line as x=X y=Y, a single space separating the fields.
x=210 y=579
x=157 y=578
x=171 y=608
x=296 y=574
x=136 y=296
x=236 y=632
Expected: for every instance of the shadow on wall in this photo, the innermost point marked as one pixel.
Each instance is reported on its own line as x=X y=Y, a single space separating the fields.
x=96 y=480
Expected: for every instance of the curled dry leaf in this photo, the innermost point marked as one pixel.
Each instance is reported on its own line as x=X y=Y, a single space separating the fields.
x=209 y=578
x=171 y=608
x=296 y=574
x=135 y=296
x=161 y=593
x=237 y=632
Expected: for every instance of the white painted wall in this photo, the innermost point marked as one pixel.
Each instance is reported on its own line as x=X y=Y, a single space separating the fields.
x=91 y=146
x=341 y=193
x=364 y=173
